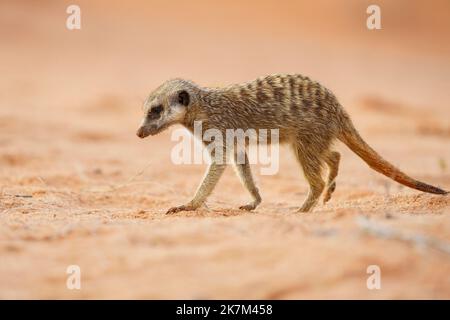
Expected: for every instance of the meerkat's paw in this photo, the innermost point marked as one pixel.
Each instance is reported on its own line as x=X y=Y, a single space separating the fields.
x=252 y=205
x=307 y=207
x=249 y=206
x=329 y=192
x=181 y=208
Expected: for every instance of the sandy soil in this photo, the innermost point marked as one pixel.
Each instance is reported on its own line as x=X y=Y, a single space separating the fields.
x=77 y=187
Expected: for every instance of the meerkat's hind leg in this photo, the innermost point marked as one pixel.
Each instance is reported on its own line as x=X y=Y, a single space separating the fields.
x=244 y=172
x=332 y=160
x=312 y=169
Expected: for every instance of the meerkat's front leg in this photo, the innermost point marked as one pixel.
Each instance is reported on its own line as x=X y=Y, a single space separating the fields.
x=210 y=180
x=245 y=174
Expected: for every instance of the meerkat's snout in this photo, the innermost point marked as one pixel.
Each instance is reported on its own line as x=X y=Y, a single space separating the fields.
x=141 y=133
x=146 y=130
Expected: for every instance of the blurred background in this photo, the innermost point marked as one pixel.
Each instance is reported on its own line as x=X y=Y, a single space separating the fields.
x=70 y=102
x=127 y=49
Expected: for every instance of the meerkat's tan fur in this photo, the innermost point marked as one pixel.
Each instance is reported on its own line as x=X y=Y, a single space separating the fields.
x=308 y=116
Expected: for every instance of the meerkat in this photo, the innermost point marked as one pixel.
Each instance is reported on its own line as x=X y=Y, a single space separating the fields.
x=307 y=115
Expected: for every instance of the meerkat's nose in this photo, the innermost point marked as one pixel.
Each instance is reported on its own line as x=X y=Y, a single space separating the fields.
x=140 y=132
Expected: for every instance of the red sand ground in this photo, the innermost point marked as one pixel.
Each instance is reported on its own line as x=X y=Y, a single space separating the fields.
x=73 y=189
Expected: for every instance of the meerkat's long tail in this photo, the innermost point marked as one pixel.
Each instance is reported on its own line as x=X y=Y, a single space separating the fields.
x=350 y=136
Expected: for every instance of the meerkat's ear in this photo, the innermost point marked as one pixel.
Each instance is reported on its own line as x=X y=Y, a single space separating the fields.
x=183 y=98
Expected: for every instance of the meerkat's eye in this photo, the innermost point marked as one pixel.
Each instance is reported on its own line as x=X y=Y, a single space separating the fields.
x=155 y=112
x=157 y=109
x=183 y=98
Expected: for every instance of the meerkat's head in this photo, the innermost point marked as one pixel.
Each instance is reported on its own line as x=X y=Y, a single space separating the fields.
x=167 y=105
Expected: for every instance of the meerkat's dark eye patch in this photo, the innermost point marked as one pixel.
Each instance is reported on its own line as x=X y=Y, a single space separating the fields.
x=157 y=109
x=155 y=112
x=183 y=98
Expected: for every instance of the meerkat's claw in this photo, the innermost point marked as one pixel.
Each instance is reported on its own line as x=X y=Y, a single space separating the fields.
x=180 y=208
x=248 y=207
x=304 y=209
